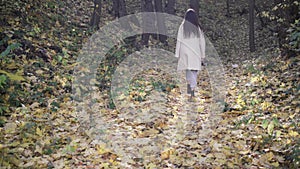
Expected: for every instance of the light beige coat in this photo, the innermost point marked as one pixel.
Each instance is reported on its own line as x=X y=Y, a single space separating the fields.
x=190 y=51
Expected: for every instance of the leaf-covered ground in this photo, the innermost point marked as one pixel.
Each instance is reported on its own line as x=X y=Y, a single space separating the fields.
x=40 y=126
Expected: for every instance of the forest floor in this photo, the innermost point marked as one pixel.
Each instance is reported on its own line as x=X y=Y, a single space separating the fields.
x=41 y=125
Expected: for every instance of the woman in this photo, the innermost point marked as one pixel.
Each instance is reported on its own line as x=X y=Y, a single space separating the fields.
x=190 y=49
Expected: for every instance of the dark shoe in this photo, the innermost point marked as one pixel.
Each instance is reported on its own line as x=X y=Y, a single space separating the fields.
x=189 y=89
x=192 y=93
x=192 y=97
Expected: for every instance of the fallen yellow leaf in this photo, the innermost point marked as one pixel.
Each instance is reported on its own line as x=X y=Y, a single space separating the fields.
x=39 y=132
x=166 y=154
x=13 y=76
x=275 y=164
x=101 y=149
x=2 y=146
x=293 y=133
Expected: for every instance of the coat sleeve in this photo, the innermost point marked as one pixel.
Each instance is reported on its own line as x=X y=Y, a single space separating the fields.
x=202 y=44
x=179 y=41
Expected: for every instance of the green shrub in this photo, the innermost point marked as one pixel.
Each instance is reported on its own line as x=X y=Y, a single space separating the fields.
x=294 y=36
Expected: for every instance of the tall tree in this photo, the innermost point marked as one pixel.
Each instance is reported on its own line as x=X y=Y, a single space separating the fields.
x=160 y=21
x=251 y=25
x=228 y=8
x=194 y=4
x=148 y=21
x=119 y=7
x=95 y=20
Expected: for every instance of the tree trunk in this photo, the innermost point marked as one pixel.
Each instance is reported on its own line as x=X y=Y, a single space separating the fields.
x=122 y=8
x=95 y=20
x=148 y=21
x=251 y=25
x=116 y=8
x=194 y=4
x=119 y=7
x=160 y=20
x=170 y=7
x=228 y=8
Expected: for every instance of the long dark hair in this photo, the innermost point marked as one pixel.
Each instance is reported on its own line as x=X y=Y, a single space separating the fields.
x=191 y=24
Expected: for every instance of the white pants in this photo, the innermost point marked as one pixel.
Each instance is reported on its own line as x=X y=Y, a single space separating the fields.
x=191 y=78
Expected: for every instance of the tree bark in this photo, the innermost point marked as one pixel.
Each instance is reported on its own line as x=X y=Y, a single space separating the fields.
x=228 y=8
x=148 y=21
x=251 y=25
x=116 y=8
x=160 y=21
x=194 y=4
x=170 y=7
x=95 y=20
x=119 y=7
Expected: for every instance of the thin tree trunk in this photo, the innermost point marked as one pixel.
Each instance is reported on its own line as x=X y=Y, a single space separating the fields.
x=95 y=20
x=194 y=4
x=148 y=21
x=119 y=7
x=170 y=7
x=228 y=8
x=122 y=8
x=160 y=20
x=116 y=8
x=251 y=25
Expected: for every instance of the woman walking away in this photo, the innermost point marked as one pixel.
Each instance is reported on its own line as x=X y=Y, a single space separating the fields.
x=190 y=49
